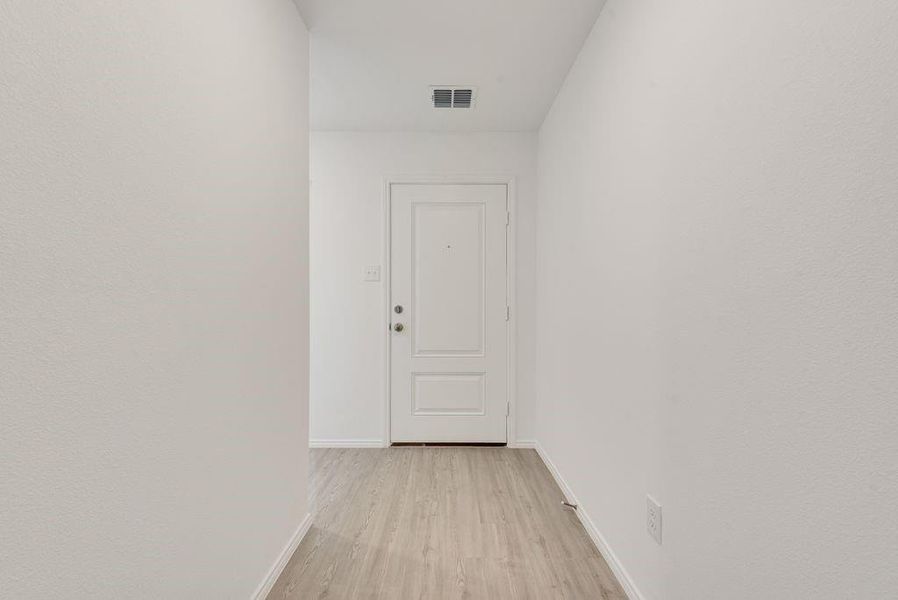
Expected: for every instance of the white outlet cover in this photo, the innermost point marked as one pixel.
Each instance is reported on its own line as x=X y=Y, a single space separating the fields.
x=372 y=273
x=653 y=518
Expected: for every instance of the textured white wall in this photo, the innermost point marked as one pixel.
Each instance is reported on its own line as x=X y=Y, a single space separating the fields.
x=347 y=369
x=153 y=296
x=718 y=294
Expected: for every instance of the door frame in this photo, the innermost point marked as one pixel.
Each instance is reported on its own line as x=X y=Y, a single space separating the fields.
x=510 y=296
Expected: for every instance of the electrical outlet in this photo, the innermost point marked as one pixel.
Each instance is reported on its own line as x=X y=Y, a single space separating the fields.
x=653 y=518
x=372 y=273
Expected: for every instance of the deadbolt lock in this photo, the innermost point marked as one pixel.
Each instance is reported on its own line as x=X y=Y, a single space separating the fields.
x=398 y=309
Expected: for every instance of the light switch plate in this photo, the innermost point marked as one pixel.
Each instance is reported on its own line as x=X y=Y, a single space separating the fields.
x=372 y=273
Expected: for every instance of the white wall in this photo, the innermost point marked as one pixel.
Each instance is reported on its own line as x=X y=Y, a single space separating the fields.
x=348 y=328
x=153 y=296
x=718 y=294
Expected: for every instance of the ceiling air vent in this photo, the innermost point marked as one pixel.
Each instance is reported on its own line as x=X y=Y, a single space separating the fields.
x=452 y=97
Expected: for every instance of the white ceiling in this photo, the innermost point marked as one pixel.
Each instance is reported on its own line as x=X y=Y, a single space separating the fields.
x=373 y=61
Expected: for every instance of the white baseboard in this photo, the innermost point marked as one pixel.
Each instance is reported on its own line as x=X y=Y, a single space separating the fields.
x=524 y=444
x=347 y=444
x=605 y=550
x=276 y=570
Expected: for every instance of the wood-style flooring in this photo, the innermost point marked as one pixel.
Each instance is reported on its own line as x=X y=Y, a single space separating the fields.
x=441 y=523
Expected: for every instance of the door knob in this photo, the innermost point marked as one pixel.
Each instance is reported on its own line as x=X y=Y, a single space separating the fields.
x=398 y=327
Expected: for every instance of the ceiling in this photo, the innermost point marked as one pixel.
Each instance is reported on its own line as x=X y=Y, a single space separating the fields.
x=373 y=61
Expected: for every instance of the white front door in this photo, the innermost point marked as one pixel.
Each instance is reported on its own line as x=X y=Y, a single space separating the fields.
x=449 y=345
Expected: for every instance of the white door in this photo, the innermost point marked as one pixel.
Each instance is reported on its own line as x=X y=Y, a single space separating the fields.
x=449 y=347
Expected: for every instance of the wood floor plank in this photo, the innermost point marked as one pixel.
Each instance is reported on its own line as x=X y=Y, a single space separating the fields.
x=441 y=523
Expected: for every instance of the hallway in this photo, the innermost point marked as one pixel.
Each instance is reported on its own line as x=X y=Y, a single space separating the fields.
x=441 y=523
x=418 y=300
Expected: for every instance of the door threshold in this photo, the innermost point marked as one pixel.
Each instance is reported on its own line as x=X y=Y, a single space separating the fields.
x=450 y=444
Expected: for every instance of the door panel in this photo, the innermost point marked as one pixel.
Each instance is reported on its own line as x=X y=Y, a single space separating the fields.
x=448 y=394
x=448 y=278
x=448 y=273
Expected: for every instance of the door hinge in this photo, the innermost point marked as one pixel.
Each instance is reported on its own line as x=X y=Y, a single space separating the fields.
x=507 y=409
x=507 y=218
x=507 y=313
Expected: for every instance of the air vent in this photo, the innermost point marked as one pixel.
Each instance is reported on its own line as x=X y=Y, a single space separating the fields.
x=452 y=97
x=442 y=98
x=462 y=98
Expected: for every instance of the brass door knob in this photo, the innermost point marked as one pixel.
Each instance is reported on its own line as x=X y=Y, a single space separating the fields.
x=398 y=327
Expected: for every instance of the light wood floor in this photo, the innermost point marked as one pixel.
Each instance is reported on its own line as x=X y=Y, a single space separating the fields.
x=435 y=523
